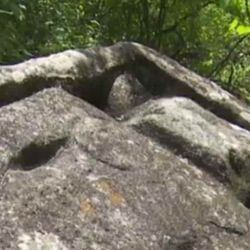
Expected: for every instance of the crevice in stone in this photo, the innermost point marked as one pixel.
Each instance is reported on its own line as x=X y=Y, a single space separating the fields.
x=121 y=167
x=241 y=191
x=94 y=90
x=240 y=162
x=181 y=242
x=12 y=92
x=35 y=155
x=115 y=166
x=159 y=83
x=229 y=229
x=247 y=200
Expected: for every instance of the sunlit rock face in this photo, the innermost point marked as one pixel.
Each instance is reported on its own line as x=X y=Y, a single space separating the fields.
x=120 y=148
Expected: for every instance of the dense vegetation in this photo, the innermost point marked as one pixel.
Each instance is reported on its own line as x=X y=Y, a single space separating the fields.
x=211 y=37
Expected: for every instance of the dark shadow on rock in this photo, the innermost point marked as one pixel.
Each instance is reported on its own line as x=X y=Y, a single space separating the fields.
x=35 y=155
x=161 y=84
x=240 y=162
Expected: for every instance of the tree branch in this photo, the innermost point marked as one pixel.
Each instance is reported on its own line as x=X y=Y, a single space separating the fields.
x=221 y=64
x=183 y=18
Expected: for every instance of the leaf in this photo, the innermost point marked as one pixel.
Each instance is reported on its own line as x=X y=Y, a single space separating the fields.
x=234 y=24
x=243 y=29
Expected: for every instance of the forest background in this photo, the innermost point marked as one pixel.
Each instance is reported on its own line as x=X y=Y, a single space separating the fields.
x=211 y=37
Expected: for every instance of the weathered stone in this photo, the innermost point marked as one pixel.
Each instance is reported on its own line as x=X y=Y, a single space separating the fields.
x=90 y=197
x=73 y=178
x=125 y=94
x=193 y=132
x=44 y=120
x=90 y=74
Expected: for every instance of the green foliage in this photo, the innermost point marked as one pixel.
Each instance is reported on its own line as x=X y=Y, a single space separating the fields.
x=11 y=13
x=208 y=36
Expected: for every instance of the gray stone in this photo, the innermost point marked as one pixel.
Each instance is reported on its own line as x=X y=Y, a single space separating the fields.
x=43 y=119
x=193 y=132
x=90 y=74
x=171 y=173
x=126 y=93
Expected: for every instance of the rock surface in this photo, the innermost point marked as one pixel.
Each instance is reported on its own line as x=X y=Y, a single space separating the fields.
x=120 y=148
x=126 y=93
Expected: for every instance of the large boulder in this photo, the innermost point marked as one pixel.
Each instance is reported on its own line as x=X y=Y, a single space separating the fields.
x=120 y=148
